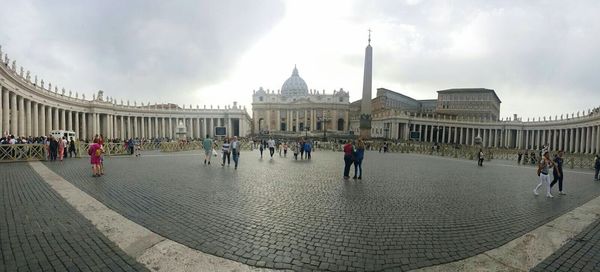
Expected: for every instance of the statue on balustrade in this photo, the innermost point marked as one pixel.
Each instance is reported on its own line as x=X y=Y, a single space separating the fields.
x=14 y=65
x=100 y=95
x=63 y=91
x=83 y=96
x=22 y=71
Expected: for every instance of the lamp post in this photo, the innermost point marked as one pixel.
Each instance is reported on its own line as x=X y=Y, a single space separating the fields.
x=306 y=131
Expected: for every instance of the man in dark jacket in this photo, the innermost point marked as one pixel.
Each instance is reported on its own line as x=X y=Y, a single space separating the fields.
x=53 y=148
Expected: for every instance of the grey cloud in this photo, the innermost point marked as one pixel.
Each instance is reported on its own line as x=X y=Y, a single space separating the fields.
x=144 y=49
x=534 y=50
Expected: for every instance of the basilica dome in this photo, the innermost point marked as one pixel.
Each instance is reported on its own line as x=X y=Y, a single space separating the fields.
x=295 y=85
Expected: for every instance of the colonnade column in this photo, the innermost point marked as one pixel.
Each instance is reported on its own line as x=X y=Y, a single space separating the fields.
x=35 y=121
x=13 y=114
x=592 y=140
x=42 y=123
x=6 y=110
x=28 y=120
x=77 y=132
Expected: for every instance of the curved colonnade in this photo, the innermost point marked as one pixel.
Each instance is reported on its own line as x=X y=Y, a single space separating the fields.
x=577 y=133
x=29 y=109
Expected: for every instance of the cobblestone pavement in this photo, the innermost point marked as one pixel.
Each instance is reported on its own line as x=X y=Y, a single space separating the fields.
x=39 y=231
x=582 y=253
x=409 y=211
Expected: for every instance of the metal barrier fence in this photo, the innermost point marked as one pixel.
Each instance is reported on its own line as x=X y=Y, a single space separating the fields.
x=22 y=152
x=33 y=152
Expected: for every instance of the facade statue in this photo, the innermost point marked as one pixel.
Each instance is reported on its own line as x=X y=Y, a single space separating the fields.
x=36 y=80
x=49 y=86
x=14 y=65
x=6 y=60
x=21 y=71
x=76 y=94
x=93 y=97
x=55 y=89
x=63 y=91
x=100 y=96
x=42 y=84
x=28 y=76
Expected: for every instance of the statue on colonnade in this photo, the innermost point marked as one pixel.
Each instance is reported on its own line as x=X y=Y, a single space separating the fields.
x=100 y=95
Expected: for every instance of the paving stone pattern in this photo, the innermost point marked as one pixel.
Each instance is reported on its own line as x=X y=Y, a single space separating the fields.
x=409 y=211
x=39 y=231
x=582 y=253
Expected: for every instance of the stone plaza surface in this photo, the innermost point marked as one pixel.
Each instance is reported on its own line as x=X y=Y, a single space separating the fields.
x=409 y=211
x=580 y=254
x=39 y=231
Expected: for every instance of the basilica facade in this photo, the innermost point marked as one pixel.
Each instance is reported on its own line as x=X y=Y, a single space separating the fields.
x=295 y=109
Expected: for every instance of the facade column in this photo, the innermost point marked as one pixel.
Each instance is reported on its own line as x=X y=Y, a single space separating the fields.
x=204 y=128
x=589 y=140
x=593 y=140
x=136 y=131
x=63 y=122
x=5 y=110
x=560 y=139
x=577 y=136
x=14 y=115
x=35 y=120
x=77 y=131
x=69 y=125
x=55 y=119
x=49 y=124
x=297 y=115
x=129 y=128
x=42 y=120
x=84 y=130
x=94 y=130
x=347 y=121
x=28 y=121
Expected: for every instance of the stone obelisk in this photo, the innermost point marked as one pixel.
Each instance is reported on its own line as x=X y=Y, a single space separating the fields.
x=365 y=104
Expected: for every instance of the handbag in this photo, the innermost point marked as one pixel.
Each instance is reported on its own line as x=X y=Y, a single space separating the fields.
x=214 y=152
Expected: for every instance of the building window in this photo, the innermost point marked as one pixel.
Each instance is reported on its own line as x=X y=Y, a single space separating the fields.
x=341 y=99
x=260 y=98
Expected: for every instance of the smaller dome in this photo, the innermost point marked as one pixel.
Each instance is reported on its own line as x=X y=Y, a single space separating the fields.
x=295 y=85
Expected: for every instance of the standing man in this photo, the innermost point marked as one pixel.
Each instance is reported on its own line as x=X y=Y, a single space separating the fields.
x=271 y=144
x=558 y=173
x=207 y=145
x=235 y=150
x=307 y=149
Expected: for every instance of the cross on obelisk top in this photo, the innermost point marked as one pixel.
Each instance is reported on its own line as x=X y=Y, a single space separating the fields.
x=369 y=36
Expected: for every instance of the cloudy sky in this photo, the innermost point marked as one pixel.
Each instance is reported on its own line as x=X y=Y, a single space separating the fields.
x=541 y=57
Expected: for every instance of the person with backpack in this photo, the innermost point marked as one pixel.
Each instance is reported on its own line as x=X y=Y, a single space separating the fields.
x=480 y=157
x=207 y=145
x=72 y=149
x=543 y=172
x=307 y=149
x=557 y=174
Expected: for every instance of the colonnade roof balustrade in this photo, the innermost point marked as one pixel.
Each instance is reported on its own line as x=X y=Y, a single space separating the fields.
x=570 y=119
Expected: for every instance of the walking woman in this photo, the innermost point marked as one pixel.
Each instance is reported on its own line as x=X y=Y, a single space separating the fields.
x=95 y=151
x=348 y=149
x=359 y=154
x=543 y=170
x=480 y=156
